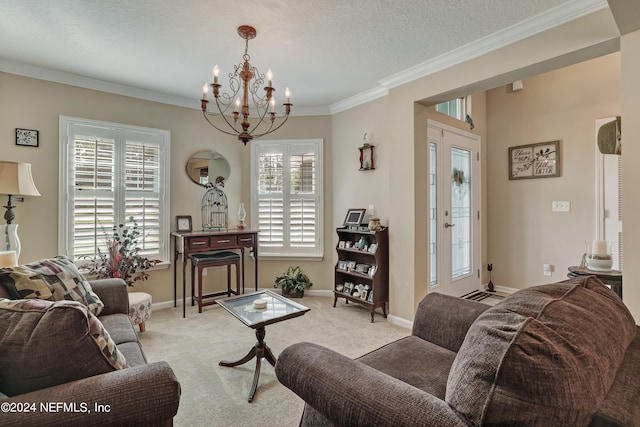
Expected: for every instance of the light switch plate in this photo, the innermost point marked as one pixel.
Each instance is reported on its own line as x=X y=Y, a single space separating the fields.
x=561 y=206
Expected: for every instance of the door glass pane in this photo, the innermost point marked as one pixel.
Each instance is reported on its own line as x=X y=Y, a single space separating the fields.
x=461 y=247
x=433 y=216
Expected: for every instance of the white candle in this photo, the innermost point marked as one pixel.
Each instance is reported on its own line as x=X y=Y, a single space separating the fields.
x=237 y=109
x=273 y=104
x=269 y=77
x=287 y=93
x=599 y=247
x=216 y=71
x=8 y=259
x=205 y=91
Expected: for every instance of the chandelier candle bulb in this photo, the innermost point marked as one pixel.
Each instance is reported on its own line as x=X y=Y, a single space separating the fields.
x=205 y=91
x=269 y=78
x=287 y=93
x=216 y=71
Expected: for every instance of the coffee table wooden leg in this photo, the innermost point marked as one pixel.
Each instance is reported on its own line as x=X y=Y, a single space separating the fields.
x=260 y=350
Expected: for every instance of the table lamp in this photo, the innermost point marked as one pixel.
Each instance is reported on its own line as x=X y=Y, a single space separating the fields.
x=15 y=181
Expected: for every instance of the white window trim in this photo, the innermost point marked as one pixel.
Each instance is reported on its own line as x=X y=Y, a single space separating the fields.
x=318 y=254
x=64 y=198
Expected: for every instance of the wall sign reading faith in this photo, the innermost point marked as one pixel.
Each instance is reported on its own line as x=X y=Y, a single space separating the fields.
x=534 y=160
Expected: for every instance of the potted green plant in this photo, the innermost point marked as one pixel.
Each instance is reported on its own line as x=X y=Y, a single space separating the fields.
x=293 y=282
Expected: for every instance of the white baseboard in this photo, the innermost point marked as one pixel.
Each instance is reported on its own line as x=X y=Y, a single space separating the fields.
x=399 y=321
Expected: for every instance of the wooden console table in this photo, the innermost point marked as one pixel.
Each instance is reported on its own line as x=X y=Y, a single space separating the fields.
x=186 y=243
x=611 y=278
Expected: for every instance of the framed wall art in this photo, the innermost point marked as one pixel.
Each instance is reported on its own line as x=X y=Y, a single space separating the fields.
x=27 y=137
x=540 y=160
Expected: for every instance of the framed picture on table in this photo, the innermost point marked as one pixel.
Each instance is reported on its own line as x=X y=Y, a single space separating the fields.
x=354 y=217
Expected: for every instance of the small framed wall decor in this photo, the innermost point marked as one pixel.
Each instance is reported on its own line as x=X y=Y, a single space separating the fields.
x=27 y=137
x=183 y=223
x=366 y=157
x=534 y=160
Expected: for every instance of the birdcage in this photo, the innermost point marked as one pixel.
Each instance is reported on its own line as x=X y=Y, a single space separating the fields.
x=214 y=208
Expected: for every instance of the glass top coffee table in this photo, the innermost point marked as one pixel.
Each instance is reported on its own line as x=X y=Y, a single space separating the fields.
x=278 y=308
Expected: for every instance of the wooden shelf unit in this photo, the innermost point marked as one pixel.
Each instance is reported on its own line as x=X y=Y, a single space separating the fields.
x=378 y=282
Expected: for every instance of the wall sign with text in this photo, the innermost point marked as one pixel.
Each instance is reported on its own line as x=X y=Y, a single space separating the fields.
x=534 y=160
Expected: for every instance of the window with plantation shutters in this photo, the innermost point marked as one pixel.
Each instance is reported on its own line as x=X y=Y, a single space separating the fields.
x=111 y=173
x=287 y=197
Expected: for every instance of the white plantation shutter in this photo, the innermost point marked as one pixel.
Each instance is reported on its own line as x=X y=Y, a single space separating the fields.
x=287 y=195
x=302 y=206
x=271 y=199
x=110 y=173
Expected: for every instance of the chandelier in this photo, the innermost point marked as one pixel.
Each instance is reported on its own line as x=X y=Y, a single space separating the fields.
x=244 y=85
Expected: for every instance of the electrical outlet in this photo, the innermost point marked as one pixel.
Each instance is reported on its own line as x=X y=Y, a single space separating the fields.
x=547 y=269
x=561 y=206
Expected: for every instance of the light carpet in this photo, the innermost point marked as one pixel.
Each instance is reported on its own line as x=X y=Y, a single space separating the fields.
x=213 y=395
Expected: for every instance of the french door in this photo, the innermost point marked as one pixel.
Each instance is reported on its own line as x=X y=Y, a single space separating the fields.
x=454 y=210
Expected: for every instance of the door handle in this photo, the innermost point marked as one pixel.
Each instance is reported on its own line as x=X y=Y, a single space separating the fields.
x=447 y=225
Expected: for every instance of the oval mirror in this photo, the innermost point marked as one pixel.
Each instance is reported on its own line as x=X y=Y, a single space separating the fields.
x=207 y=166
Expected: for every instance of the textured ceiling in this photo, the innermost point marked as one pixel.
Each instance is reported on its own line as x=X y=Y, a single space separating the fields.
x=325 y=50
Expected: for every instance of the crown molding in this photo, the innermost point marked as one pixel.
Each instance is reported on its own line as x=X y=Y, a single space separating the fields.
x=70 y=79
x=359 y=99
x=552 y=18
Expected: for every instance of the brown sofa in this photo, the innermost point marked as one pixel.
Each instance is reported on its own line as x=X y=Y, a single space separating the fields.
x=141 y=394
x=552 y=355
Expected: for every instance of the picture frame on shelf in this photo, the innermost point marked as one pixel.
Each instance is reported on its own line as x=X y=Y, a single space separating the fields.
x=341 y=244
x=342 y=265
x=372 y=248
x=354 y=218
x=184 y=223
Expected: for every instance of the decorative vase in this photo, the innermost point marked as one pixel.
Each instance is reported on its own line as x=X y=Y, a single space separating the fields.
x=599 y=256
x=242 y=215
x=10 y=239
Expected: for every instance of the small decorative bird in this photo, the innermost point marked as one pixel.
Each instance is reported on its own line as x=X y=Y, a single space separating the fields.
x=469 y=120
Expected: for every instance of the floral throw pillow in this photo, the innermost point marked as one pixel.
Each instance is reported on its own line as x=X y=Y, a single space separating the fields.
x=53 y=279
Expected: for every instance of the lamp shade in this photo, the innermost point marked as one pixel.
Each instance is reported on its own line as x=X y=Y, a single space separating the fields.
x=16 y=179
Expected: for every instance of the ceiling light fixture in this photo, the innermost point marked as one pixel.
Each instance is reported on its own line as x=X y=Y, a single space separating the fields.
x=247 y=78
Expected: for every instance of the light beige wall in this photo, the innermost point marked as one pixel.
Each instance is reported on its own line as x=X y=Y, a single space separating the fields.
x=560 y=105
x=353 y=188
x=630 y=100
x=36 y=104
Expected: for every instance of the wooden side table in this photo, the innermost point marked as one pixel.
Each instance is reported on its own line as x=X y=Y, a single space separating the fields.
x=611 y=278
